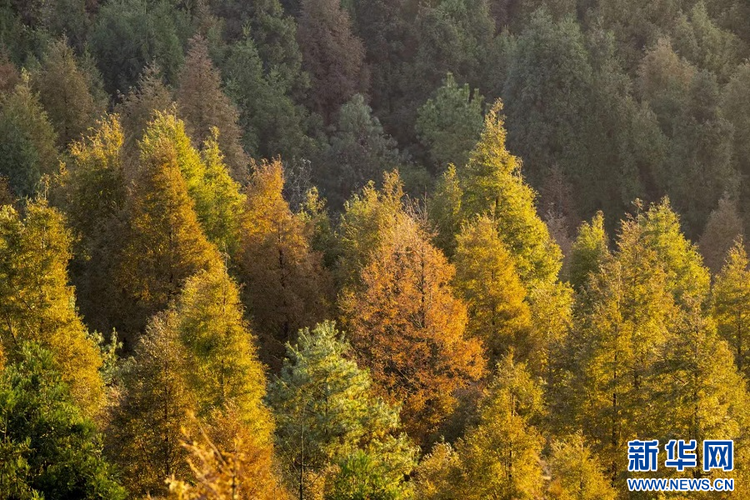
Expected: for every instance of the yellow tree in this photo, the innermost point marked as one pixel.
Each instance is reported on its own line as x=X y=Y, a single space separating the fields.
x=409 y=328
x=37 y=304
x=576 y=472
x=286 y=287
x=486 y=279
x=731 y=304
x=164 y=243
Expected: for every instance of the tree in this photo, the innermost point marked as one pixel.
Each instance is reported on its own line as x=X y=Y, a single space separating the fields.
x=408 y=327
x=360 y=152
x=332 y=428
x=204 y=106
x=486 y=279
x=225 y=370
x=50 y=448
x=723 y=228
x=154 y=406
x=589 y=253
x=130 y=34
x=285 y=284
x=217 y=198
x=491 y=183
x=164 y=243
x=238 y=467
x=37 y=305
x=90 y=189
x=576 y=473
x=139 y=107
x=272 y=124
x=548 y=94
x=66 y=93
x=500 y=457
x=27 y=148
x=734 y=107
x=332 y=55
x=731 y=297
x=449 y=125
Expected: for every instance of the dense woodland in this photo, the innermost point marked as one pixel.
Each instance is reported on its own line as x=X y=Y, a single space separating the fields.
x=369 y=249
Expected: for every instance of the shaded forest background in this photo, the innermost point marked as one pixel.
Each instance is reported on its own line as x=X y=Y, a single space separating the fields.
x=369 y=249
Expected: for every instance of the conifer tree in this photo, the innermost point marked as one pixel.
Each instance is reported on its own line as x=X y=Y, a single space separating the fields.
x=409 y=328
x=331 y=426
x=723 y=228
x=155 y=406
x=201 y=102
x=227 y=461
x=91 y=191
x=139 y=106
x=66 y=93
x=225 y=370
x=286 y=286
x=486 y=279
x=491 y=183
x=27 y=147
x=50 y=448
x=164 y=243
x=272 y=124
x=217 y=198
x=449 y=125
x=731 y=304
x=360 y=152
x=589 y=252
x=332 y=55
x=501 y=456
x=630 y=317
x=38 y=305
x=576 y=473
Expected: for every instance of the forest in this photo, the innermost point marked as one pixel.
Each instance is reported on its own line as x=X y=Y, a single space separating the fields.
x=370 y=249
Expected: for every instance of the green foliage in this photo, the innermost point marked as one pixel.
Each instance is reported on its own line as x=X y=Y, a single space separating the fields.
x=272 y=124
x=450 y=124
x=332 y=425
x=49 y=448
x=27 y=144
x=129 y=34
x=360 y=151
x=589 y=253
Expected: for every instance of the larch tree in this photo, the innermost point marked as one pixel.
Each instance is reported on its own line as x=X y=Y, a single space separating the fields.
x=731 y=304
x=408 y=327
x=155 y=405
x=204 y=106
x=216 y=196
x=140 y=104
x=576 y=472
x=335 y=435
x=90 y=189
x=286 y=286
x=332 y=55
x=486 y=279
x=491 y=183
x=589 y=252
x=28 y=146
x=164 y=243
x=65 y=93
x=501 y=456
x=38 y=305
x=630 y=317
